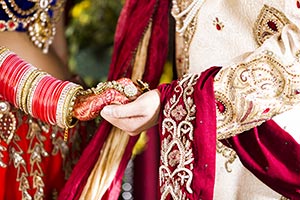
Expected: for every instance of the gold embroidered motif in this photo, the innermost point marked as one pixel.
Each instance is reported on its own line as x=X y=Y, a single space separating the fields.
x=7 y=122
x=37 y=153
x=2 y=150
x=254 y=92
x=270 y=21
x=177 y=156
x=227 y=153
x=30 y=170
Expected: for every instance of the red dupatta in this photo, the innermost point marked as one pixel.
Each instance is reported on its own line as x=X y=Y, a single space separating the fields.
x=133 y=21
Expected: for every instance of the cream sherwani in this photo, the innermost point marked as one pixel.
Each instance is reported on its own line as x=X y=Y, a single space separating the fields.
x=231 y=32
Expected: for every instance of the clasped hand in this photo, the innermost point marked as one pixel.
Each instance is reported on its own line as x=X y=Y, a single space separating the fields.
x=121 y=103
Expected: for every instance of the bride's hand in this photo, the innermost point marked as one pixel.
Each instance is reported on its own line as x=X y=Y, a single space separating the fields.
x=89 y=103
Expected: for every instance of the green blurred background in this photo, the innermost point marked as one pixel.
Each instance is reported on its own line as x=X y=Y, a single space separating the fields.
x=90 y=33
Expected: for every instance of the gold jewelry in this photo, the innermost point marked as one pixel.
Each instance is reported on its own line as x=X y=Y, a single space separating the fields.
x=65 y=105
x=127 y=90
x=21 y=85
x=68 y=118
x=37 y=20
x=4 y=53
x=26 y=89
x=32 y=89
x=143 y=85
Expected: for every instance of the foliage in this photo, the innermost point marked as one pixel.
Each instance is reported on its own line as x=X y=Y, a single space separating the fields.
x=90 y=35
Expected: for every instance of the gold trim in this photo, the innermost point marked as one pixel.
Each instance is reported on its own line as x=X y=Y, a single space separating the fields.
x=177 y=156
x=270 y=21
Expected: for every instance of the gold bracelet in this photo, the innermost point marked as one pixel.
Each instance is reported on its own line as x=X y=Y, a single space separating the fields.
x=32 y=89
x=127 y=90
x=26 y=88
x=69 y=106
x=65 y=99
x=4 y=53
x=21 y=85
x=67 y=113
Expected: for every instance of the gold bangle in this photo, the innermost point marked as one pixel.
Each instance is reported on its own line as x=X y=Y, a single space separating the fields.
x=67 y=114
x=69 y=106
x=64 y=104
x=26 y=88
x=3 y=49
x=32 y=89
x=127 y=90
x=4 y=53
x=21 y=85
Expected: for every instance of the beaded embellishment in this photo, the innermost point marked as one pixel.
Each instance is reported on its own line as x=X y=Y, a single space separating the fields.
x=38 y=19
x=177 y=156
x=270 y=21
x=7 y=122
x=185 y=14
x=255 y=91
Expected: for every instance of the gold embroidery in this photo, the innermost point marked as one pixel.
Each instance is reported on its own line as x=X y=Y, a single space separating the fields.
x=30 y=170
x=37 y=153
x=185 y=36
x=7 y=122
x=177 y=156
x=270 y=21
x=3 y=149
x=255 y=91
x=227 y=153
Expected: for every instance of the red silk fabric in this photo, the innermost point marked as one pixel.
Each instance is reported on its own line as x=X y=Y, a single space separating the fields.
x=273 y=156
x=133 y=21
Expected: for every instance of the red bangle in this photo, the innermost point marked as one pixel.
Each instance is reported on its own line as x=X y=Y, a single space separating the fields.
x=45 y=97
x=37 y=96
x=14 y=78
x=11 y=68
x=3 y=75
x=50 y=113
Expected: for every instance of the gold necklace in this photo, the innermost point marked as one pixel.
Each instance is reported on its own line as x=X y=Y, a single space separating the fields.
x=40 y=25
x=19 y=10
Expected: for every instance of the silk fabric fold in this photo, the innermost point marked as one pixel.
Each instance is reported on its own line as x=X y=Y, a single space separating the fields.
x=133 y=22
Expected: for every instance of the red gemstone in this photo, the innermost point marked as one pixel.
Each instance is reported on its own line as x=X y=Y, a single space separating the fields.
x=297 y=91
x=298 y=4
x=11 y=25
x=218 y=27
x=221 y=107
x=179 y=60
x=266 y=111
x=272 y=25
x=2 y=26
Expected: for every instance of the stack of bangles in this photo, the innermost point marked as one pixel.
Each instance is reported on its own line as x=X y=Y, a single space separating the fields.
x=44 y=97
x=35 y=92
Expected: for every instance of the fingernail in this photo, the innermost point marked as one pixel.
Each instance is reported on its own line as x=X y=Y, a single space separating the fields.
x=107 y=111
